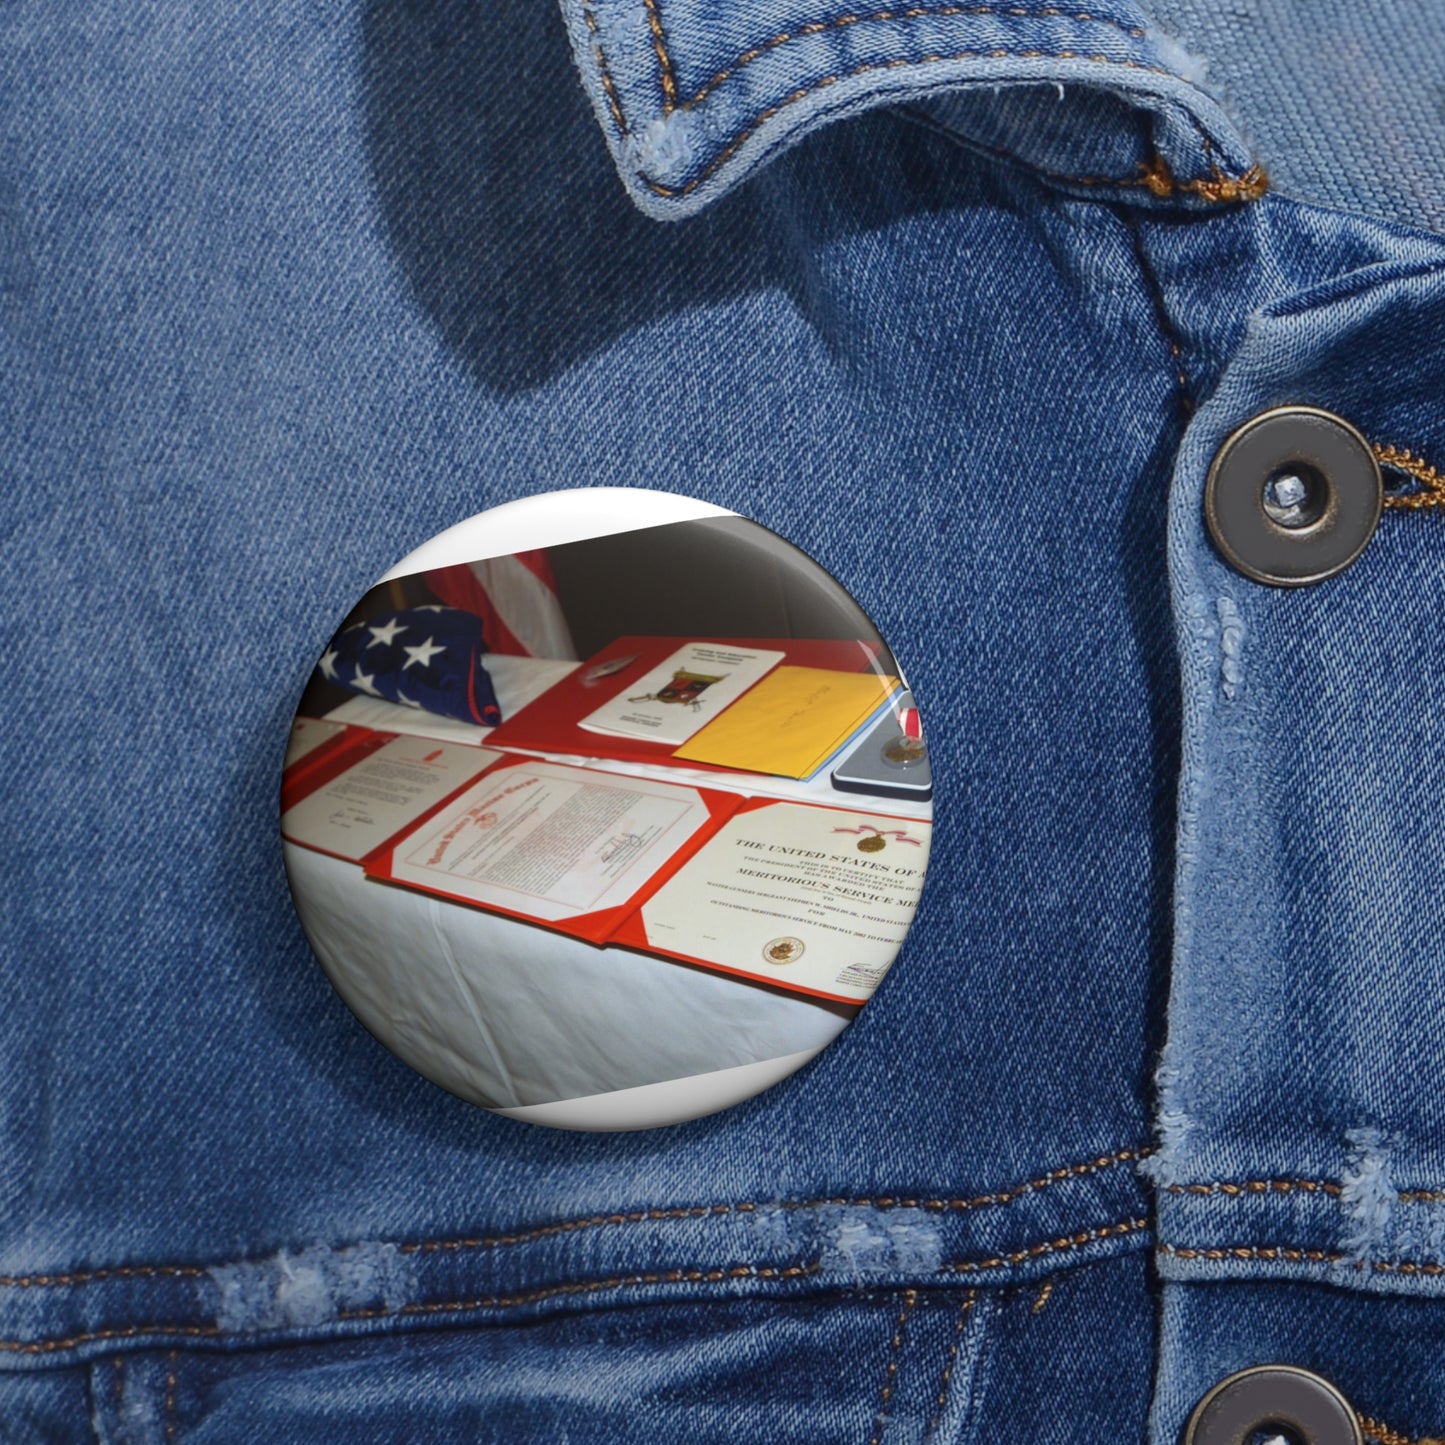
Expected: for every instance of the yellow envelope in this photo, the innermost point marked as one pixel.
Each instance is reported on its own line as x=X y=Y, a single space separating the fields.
x=791 y=722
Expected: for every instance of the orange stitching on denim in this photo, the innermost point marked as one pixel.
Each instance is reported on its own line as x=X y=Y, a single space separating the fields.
x=1240 y=1188
x=762 y=118
x=1433 y=494
x=129 y=1332
x=636 y=1216
x=1218 y=189
x=170 y=1402
x=664 y=60
x=1386 y=1436
x=1253 y=1251
x=890 y=1375
x=998 y=1198
x=672 y=1276
x=1296 y=1255
x=583 y=1287
x=1157 y=176
x=614 y=104
x=125 y=1271
x=969 y=1300
x=1149 y=174
x=1376 y=1431
x=1259 y=1186
x=913 y=12
x=1045 y=1294
x=1053 y=1246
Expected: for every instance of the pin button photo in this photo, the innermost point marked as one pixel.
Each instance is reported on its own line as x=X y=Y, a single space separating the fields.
x=1293 y=496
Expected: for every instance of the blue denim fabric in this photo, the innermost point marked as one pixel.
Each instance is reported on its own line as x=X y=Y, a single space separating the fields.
x=285 y=294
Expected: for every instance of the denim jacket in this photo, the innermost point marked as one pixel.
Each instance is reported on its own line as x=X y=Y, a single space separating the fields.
x=964 y=300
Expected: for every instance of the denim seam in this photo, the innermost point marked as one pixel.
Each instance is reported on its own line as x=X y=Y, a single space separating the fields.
x=890 y=1374
x=1162 y=319
x=1219 y=188
x=1431 y=480
x=841 y=22
x=951 y=1360
x=1215 y=1254
x=1378 y=1430
x=1237 y=1189
x=1045 y=1294
x=1052 y=1246
x=664 y=60
x=995 y=1199
x=169 y=1405
x=588 y=1287
x=998 y=1198
x=1154 y=175
x=614 y=103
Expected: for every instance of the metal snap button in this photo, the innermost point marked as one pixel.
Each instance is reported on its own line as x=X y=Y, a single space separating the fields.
x=1293 y=496
x=1279 y=1399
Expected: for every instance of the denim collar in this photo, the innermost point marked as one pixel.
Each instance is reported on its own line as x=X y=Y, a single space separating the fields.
x=695 y=95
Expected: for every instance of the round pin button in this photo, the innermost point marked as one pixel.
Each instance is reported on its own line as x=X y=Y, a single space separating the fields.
x=1293 y=496
x=587 y=814
x=1273 y=1399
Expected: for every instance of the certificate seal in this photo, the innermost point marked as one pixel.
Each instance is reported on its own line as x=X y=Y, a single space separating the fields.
x=873 y=843
x=783 y=950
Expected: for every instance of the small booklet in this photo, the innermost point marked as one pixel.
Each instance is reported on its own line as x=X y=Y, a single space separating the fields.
x=683 y=694
x=792 y=722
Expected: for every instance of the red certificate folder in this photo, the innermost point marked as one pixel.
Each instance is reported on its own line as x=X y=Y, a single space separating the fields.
x=549 y=724
x=482 y=847
x=804 y=897
x=328 y=761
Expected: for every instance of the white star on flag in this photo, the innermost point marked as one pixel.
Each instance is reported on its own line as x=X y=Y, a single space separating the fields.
x=405 y=701
x=384 y=635
x=328 y=664
x=365 y=681
x=422 y=654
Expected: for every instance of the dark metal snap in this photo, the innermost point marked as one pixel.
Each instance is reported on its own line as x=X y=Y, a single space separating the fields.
x=1280 y=1399
x=1293 y=496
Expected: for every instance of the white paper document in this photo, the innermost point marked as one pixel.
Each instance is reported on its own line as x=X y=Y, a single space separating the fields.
x=550 y=841
x=805 y=897
x=307 y=734
x=382 y=794
x=682 y=694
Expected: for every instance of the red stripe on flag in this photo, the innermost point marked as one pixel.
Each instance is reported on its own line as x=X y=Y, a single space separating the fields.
x=458 y=587
x=539 y=564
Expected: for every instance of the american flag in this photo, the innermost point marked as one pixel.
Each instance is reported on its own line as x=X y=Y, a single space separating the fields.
x=516 y=598
x=428 y=658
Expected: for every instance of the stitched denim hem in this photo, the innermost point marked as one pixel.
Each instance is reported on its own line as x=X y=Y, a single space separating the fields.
x=1340 y=1232
x=1088 y=1210
x=690 y=110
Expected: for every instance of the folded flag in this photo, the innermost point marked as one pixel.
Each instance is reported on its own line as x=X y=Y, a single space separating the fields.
x=428 y=658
